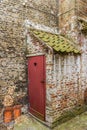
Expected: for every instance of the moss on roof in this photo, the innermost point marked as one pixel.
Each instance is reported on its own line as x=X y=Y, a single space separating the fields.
x=57 y=42
x=83 y=25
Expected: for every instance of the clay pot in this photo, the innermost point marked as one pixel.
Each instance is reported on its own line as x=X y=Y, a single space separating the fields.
x=8 y=115
x=16 y=111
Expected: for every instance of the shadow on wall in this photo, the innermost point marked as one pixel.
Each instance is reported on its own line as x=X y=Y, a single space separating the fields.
x=85 y=96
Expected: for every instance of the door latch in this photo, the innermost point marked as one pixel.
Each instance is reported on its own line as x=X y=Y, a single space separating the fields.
x=43 y=81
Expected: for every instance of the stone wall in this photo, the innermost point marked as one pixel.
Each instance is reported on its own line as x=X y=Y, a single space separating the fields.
x=68 y=24
x=81 y=9
x=14 y=17
x=12 y=55
x=43 y=12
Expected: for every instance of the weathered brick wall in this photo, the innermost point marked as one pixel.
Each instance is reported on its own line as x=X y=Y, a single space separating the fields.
x=83 y=40
x=65 y=93
x=67 y=88
x=69 y=77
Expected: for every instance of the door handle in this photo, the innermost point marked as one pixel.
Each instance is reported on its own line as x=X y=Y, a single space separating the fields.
x=43 y=81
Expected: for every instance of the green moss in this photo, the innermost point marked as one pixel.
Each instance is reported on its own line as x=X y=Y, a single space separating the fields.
x=76 y=51
x=58 y=42
x=84 y=25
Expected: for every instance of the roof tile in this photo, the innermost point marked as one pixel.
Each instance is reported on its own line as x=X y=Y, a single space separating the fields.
x=57 y=42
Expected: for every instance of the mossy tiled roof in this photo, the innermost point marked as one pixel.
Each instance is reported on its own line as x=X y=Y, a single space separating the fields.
x=57 y=42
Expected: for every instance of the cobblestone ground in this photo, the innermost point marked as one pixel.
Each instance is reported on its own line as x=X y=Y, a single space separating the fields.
x=26 y=122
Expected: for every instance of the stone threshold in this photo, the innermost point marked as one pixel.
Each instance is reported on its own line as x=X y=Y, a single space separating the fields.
x=43 y=122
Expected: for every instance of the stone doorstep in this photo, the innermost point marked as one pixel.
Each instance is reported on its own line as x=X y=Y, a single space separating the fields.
x=43 y=122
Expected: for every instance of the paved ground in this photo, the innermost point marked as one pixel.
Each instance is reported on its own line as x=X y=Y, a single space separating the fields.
x=26 y=122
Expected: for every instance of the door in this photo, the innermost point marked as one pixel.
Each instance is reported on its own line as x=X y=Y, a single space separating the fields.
x=36 y=77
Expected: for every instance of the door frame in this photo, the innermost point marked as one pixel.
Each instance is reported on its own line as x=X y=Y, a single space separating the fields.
x=44 y=61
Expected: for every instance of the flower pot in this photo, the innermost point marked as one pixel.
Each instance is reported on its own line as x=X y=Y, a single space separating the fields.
x=17 y=111
x=8 y=116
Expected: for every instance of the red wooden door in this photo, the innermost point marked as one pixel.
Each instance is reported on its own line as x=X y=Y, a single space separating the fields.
x=36 y=77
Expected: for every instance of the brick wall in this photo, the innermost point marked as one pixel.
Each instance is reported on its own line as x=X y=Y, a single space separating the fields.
x=65 y=91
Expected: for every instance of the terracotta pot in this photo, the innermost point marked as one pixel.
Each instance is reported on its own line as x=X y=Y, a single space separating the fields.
x=17 y=111
x=8 y=116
